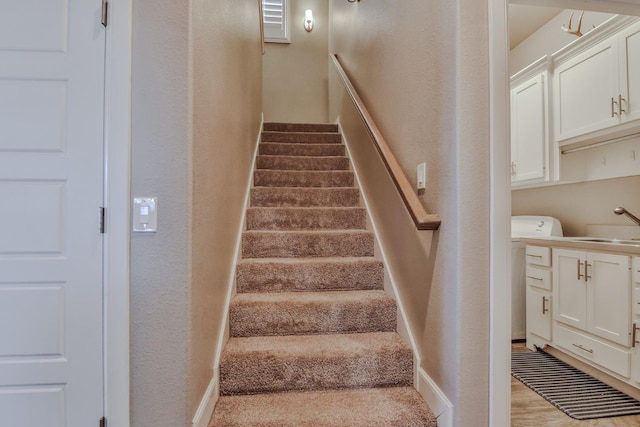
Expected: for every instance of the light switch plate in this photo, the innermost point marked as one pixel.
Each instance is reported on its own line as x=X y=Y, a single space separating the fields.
x=145 y=214
x=422 y=176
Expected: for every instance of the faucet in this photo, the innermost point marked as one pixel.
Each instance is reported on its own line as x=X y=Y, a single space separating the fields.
x=622 y=211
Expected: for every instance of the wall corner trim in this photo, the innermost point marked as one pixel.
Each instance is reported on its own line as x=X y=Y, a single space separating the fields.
x=208 y=403
x=435 y=398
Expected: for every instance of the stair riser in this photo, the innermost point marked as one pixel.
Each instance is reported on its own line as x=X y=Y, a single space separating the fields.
x=263 y=373
x=277 y=149
x=247 y=319
x=292 y=245
x=302 y=163
x=306 y=219
x=269 y=178
x=330 y=276
x=305 y=197
x=302 y=137
x=300 y=127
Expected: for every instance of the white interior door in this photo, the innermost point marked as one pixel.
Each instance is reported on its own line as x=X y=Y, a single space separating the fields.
x=51 y=187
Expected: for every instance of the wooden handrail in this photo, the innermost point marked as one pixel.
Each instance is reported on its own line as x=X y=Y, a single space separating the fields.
x=422 y=219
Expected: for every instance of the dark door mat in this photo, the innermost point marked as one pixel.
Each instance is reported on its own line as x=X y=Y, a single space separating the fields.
x=575 y=393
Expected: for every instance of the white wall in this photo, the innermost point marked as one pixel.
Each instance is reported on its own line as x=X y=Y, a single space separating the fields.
x=422 y=70
x=195 y=120
x=295 y=74
x=551 y=38
x=161 y=166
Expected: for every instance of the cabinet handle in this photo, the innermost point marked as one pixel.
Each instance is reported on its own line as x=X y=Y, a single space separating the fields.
x=613 y=107
x=582 y=348
x=513 y=169
x=545 y=310
x=633 y=337
x=580 y=275
x=586 y=271
x=620 y=109
x=535 y=278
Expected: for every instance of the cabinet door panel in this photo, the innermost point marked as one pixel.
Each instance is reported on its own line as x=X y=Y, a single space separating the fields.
x=609 y=297
x=630 y=72
x=528 y=129
x=584 y=87
x=569 y=291
x=539 y=313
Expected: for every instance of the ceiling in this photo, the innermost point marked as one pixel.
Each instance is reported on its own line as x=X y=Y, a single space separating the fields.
x=526 y=20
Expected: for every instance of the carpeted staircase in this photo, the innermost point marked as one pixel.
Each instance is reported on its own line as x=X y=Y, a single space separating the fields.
x=313 y=334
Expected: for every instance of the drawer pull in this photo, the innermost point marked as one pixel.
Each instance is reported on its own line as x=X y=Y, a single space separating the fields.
x=580 y=275
x=582 y=348
x=586 y=271
x=539 y=278
x=545 y=310
x=633 y=338
x=535 y=256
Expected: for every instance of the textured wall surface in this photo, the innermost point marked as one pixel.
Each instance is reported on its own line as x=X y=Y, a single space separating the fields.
x=421 y=69
x=160 y=262
x=227 y=106
x=196 y=116
x=295 y=74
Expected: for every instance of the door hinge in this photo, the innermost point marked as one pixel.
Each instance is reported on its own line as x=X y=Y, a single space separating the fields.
x=103 y=422
x=102 y=214
x=105 y=12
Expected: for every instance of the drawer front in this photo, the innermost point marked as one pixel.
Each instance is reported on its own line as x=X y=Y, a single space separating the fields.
x=605 y=355
x=636 y=270
x=539 y=255
x=539 y=278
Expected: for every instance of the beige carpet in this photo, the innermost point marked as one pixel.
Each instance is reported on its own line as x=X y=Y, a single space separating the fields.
x=313 y=334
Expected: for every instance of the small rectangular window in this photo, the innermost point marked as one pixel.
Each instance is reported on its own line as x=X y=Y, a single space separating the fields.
x=275 y=15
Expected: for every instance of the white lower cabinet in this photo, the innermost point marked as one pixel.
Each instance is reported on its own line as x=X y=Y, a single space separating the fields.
x=539 y=285
x=593 y=293
x=581 y=302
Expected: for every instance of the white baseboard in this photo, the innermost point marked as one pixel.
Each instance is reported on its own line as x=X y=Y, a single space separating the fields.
x=435 y=398
x=208 y=403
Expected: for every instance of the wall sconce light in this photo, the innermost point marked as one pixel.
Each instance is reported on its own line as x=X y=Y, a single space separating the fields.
x=308 y=20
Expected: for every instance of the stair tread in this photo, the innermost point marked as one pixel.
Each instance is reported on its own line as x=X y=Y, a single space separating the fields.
x=366 y=407
x=327 y=346
x=301 y=127
x=308 y=208
x=306 y=313
x=309 y=232
x=309 y=260
x=302 y=137
x=328 y=297
x=302 y=149
x=309 y=274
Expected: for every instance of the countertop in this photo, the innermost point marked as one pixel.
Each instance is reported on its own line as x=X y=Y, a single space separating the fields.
x=579 y=243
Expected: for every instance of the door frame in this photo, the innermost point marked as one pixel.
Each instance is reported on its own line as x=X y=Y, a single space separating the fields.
x=117 y=137
x=500 y=334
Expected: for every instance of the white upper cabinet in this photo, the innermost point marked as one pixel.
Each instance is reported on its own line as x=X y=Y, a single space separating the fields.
x=629 y=42
x=529 y=131
x=584 y=91
x=596 y=89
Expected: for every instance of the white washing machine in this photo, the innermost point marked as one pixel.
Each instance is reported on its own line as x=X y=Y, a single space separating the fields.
x=525 y=226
